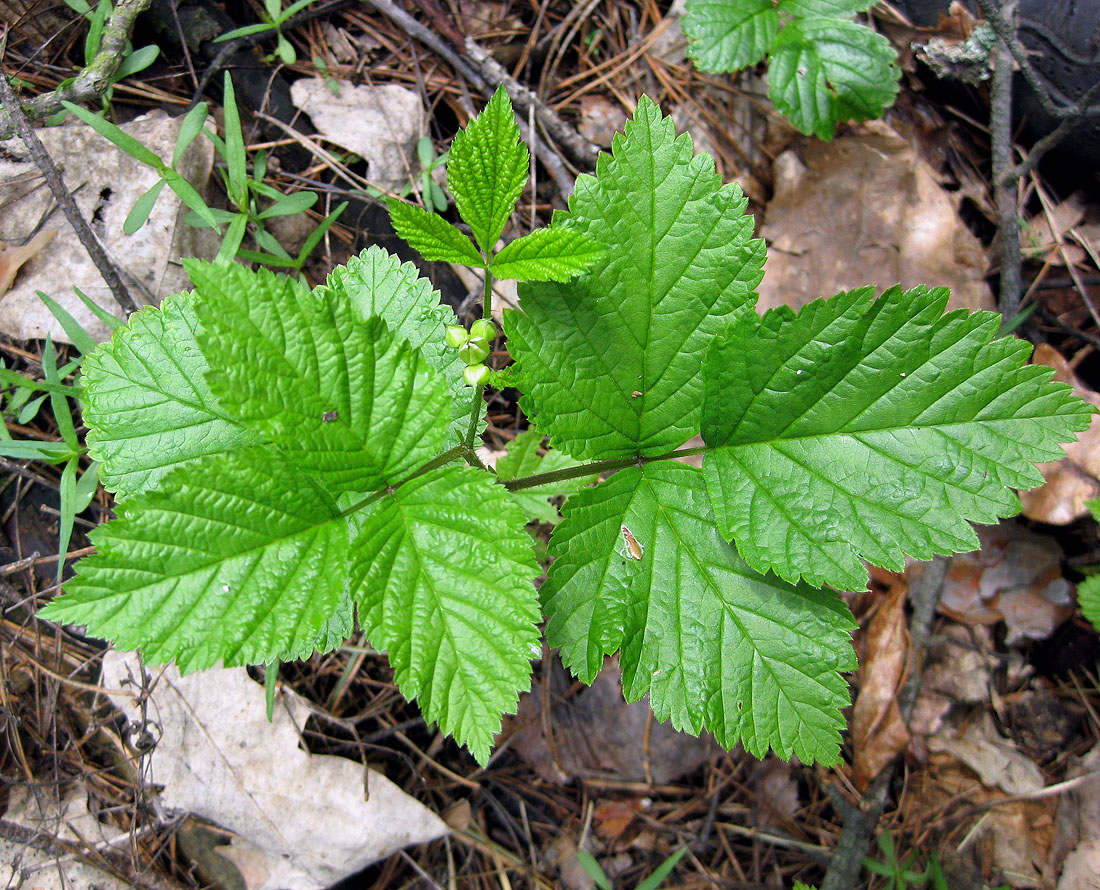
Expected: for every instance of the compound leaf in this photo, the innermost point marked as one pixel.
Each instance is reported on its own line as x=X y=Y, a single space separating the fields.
x=866 y=429
x=611 y=364
x=728 y=35
x=236 y=557
x=487 y=169
x=430 y=234
x=443 y=574
x=379 y=285
x=341 y=397
x=554 y=254
x=716 y=645
x=148 y=407
x=826 y=70
x=523 y=459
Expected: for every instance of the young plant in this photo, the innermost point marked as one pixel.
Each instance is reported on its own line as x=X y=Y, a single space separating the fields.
x=286 y=459
x=595 y=871
x=431 y=193
x=274 y=19
x=1088 y=591
x=76 y=489
x=823 y=67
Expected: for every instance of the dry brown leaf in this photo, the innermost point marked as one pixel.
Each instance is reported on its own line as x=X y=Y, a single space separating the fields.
x=958 y=670
x=612 y=817
x=601 y=119
x=1071 y=481
x=12 y=256
x=878 y=730
x=1046 y=232
x=596 y=731
x=775 y=790
x=996 y=760
x=299 y=821
x=866 y=209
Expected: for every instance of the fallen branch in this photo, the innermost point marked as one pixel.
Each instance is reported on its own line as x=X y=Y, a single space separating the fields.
x=93 y=81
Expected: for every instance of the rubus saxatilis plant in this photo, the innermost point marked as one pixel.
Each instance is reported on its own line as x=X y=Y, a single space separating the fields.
x=287 y=459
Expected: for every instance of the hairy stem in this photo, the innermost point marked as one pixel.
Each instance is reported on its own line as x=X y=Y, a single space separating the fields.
x=599 y=466
x=479 y=392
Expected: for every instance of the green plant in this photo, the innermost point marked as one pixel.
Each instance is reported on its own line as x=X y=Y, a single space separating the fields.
x=275 y=17
x=1088 y=591
x=133 y=60
x=823 y=67
x=22 y=403
x=660 y=873
x=431 y=193
x=286 y=458
x=245 y=192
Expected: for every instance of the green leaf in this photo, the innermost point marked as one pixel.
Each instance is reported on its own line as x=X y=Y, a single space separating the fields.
x=143 y=206
x=235 y=158
x=715 y=644
x=827 y=70
x=190 y=127
x=288 y=205
x=662 y=871
x=431 y=235
x=81 y=339
x=866 y=429
x=342 y=398
x=488 y=169
x=113 y=134
x=238 y=558
x=443 y=576
x=523 y=460
x=554 y=254
x=611 y=363
x=138 y=60
x=842 y=9
x=148 y=407
x=379 y=285
x=246 y=31
x=728 y=35
x=112 y=321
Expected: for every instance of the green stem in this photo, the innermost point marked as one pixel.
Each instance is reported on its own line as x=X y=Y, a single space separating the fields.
x=479 y=392
x=599 y=466
x=445 y=458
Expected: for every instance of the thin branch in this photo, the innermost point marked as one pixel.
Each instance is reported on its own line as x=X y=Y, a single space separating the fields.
x=64 y=197
x=1006 y=30
x=1004 y=190
x=1053 y=138
x=94 y=80
x=861 y=821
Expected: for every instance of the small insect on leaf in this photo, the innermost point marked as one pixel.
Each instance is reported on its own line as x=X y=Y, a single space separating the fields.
x=633 y=548
x=329 y=416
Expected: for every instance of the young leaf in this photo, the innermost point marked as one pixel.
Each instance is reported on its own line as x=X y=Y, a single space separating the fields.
x=237 y=558
x=522 y=460
x=1088 y=598
x=190 y=127
x=143 y=206
x=826 y=70
x=341 y=397
x=715 y=644
x=442 y=573
x=81 y=339
x=554 y=254
x=866 y=429
x=148 y=407
x=235 y=157
x=488 y=169
x=728 y=35
x=379 y=284
x=611 y=364
x=432 y=236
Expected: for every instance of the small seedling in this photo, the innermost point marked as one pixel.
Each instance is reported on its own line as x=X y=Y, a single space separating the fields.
x=660 y=873
x=274 y=19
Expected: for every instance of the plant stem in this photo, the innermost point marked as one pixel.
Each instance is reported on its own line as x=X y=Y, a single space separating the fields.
x=599 y=466
x=479 y=392
x=445 y=458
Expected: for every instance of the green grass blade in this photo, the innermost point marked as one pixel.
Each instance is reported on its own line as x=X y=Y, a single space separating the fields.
x=82 y=340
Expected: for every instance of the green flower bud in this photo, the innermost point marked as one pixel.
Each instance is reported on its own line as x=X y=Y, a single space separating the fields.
x=474 y=352
x=477 y=375
x=483 y=329
x=456 y=336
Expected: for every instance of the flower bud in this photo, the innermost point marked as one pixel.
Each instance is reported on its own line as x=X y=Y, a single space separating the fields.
x=474 y=352
x=477 y=375
x=483 y=329
x=456 y=336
